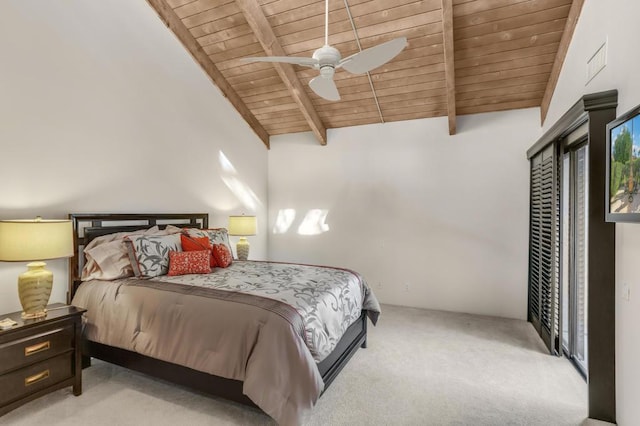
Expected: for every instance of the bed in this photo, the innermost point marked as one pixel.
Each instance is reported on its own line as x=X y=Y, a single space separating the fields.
x=221 y=333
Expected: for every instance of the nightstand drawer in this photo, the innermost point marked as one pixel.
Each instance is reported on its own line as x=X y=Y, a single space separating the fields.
x=39 y=376
x=33 y=348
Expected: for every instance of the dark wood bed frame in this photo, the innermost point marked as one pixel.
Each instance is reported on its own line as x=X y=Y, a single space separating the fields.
x=89 y=226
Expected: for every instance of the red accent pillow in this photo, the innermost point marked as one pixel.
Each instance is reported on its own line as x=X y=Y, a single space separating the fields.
x=189 y=262
x=222 y=255
x=197 y=244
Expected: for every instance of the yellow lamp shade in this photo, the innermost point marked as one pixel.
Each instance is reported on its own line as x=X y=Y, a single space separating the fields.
x=242 y=225
x=26 y=240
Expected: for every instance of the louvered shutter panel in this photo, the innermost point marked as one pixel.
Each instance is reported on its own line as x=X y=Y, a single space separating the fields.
x=543 y=247
x=581 y=250
x=556 y=337
x=534 y=241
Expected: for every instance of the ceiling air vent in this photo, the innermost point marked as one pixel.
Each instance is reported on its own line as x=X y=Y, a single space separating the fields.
x=597 y=62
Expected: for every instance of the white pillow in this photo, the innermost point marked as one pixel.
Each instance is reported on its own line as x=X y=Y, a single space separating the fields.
x=149 y=254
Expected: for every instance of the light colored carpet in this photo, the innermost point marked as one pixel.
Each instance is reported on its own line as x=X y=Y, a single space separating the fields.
x=421 y=368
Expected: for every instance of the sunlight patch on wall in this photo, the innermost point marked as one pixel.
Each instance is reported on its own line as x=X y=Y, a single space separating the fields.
x=284 y=221
x=314 y=222
x=226 y=165
x=241 y=190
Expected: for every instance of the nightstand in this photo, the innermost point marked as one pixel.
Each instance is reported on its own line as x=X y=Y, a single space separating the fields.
x=40 y=356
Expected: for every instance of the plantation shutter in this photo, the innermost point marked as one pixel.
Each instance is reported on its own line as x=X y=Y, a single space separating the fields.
x=582 y=249
x=544 y=239
x=556 y=336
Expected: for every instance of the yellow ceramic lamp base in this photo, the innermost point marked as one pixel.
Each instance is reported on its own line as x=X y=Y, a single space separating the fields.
x=34 y=289
x=242 y=249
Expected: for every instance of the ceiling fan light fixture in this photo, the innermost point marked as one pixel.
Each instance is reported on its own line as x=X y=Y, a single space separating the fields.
x=327 y=71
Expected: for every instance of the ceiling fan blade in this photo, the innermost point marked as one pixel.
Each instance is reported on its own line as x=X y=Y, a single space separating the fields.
x=295 y=60
x=325 y=88
x=372 y=58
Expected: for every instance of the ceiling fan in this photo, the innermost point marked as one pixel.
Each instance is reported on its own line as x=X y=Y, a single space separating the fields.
x=327 y=60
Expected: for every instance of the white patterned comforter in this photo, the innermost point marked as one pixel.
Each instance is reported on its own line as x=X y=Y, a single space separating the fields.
x=329 y=300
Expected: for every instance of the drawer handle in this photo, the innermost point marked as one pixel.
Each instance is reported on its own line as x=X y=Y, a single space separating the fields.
x=36 y=378
x=34 y=349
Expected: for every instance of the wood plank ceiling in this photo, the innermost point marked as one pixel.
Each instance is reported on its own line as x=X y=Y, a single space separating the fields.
x=463 y=57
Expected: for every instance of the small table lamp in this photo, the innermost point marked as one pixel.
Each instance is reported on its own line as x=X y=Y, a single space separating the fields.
x=35 y=240
x=242 y=226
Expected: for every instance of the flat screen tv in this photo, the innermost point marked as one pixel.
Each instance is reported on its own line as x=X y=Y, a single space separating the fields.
x=623 y=168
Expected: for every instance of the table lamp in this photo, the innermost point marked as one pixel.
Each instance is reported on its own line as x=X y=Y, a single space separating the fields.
x=242 y=226
x=35 y=240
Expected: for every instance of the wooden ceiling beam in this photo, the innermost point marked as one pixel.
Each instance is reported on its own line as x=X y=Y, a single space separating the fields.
x=174 y=23
x=258 y=22
x=565 y=41
x=449 y=63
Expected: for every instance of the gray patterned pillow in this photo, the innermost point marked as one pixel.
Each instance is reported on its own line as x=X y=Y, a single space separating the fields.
x=216 y=236
x=149 y=254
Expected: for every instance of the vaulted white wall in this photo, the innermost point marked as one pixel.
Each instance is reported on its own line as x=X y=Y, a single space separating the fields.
x=103 y=110
x=615 y=21
x=430 y=220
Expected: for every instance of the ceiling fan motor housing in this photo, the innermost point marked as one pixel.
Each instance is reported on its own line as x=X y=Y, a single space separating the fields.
x=327 y=55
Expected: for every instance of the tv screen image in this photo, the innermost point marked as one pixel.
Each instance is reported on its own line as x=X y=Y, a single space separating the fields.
x=623 y=168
